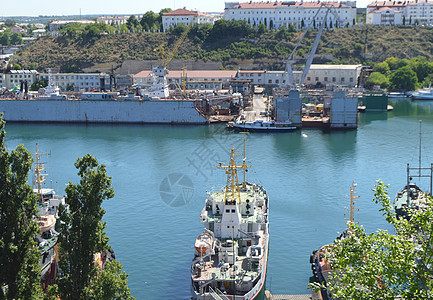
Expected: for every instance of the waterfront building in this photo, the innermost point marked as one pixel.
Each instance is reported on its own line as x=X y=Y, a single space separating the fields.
x=417 y=12
x=184 y=16
x=333 y=75
x=277 y=15
x=76 y=81
x=195 y=79
x=13 y=78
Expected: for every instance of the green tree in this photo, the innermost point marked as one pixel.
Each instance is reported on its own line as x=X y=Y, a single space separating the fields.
x=5 y=38
x=148 y=20
x=377 y=79
x=382 y=265
x=82 y=229
x=16 y=38
x=17 y=66
x=111 y=283
x=404 y=79
x=382 y=67
x=19 y=254
x=395 y=63
x=38 y=84
x=10 y=23
x=132 y=22
x=421 y=67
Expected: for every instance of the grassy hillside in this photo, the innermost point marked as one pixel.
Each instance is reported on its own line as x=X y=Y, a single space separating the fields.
x=264 y=50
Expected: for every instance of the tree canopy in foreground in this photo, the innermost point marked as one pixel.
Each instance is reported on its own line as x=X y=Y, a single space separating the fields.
x=19 y=254
x=384 y=265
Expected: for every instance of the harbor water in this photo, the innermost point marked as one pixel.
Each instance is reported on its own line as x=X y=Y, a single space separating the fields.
x=161 y=173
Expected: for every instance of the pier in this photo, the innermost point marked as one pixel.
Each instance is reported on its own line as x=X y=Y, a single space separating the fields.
x=313 y=296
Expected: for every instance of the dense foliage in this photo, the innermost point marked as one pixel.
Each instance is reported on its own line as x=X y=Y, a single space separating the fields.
x=19 y=254
x=233 y=43
x=383 y=265
x=402 y=74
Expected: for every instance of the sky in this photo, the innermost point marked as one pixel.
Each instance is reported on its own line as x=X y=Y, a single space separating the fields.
x=72 y=7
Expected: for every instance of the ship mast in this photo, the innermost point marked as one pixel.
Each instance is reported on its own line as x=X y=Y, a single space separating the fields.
x=244 y=166
x=232 y=192
x=39 y=177
x=352 y=198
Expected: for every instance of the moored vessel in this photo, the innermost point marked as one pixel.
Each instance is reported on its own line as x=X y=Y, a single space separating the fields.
x=231 y=255
x=319 y=259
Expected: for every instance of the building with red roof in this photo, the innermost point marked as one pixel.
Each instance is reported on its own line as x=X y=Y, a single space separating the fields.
x=184 y=16
x=415 y=12
x=282 y=14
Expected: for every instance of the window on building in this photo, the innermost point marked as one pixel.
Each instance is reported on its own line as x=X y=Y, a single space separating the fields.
x=342 y=79
x=308 y=78
x=351 y=79
x=317 y=78
x=270 y=81
x=325 y=79
x=334 y=79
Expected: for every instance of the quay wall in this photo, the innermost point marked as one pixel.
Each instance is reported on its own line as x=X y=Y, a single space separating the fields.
x=100 y=111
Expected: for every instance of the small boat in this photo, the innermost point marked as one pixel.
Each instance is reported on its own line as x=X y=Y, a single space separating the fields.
x=423 y=94
x=261 y=125
x=46 y=222
x=397 y=95
x=203 y=243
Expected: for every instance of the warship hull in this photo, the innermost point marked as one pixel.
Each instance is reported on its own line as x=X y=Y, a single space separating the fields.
x=100 y=111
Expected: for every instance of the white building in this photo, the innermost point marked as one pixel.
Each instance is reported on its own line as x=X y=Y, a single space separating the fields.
x=184 y=16
x=277 y=15
x=14 y=78
x=332 y=75
x=385 y=16
x=417 y=12
x=116 y=20
x=55 y=25
x=76 y=81
x=199 y=77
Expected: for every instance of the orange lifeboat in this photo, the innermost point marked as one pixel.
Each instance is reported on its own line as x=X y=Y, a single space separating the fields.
x=203 y=243
x=46 y=222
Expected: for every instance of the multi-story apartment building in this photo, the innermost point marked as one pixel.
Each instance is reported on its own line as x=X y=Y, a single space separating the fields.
x=184 y=16
x=277 y=15
x=416 y=12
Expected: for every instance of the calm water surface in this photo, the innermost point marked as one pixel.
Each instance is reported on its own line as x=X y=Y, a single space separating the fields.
x=307 y=175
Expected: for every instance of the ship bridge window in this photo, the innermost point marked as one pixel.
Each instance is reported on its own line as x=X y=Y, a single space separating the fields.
x=227 y=210
x=233 y=211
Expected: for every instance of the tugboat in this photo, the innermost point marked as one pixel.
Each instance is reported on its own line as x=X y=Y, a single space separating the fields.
x=231 y=255
x=319 y=260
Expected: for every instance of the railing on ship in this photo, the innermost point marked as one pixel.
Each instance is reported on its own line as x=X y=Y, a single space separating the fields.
x=217 y=294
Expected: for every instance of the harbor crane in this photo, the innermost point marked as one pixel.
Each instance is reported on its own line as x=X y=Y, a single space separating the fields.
x=312 y=51
x=165 y=58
